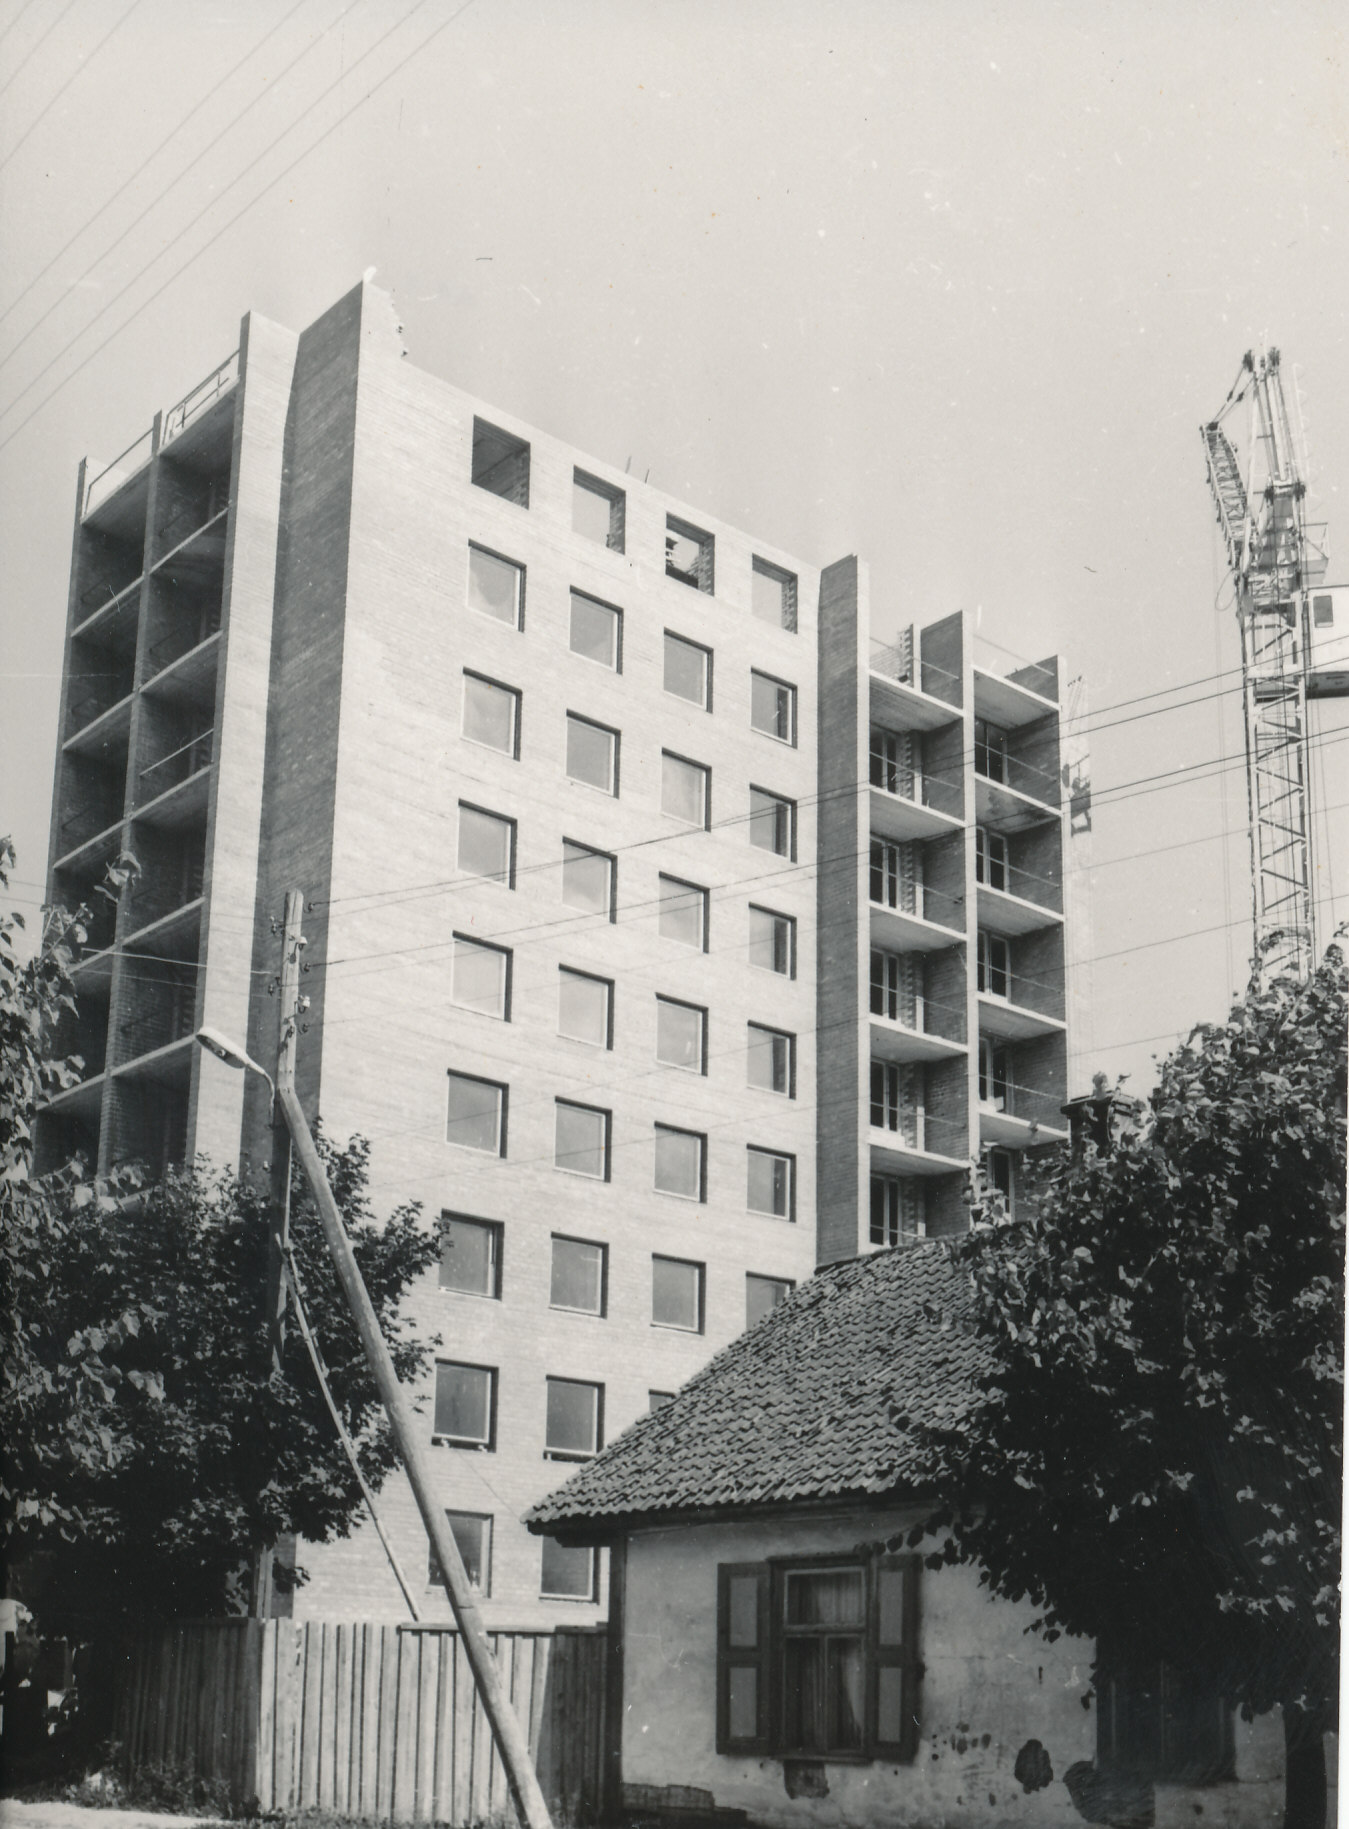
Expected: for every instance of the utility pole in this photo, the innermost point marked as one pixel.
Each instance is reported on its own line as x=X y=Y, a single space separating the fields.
x=511 y=1740
x=292 y=944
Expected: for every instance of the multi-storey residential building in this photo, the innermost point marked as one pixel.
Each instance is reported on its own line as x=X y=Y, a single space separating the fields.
x=658 y=932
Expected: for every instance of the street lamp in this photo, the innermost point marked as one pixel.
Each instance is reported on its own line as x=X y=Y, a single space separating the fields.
x=234 y=1056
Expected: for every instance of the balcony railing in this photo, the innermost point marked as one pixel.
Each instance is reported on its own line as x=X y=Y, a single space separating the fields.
x=203 y=395
x=173 y=423
x=158 y=777
x=110 y=478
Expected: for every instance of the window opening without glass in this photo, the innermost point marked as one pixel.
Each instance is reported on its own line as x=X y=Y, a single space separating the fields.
x=486 y=845
x=470 y=1256
x=683 y=912
x=501 y=463
x=598 y=510
x=772 y=941
x=681 y=1158
x=581 y=1140
x=465 y=1404
x=491 y=714
x=477 y=1114
x=685 y=789
x=773 y=595
x=592 y=753
x=596 y=631
x=472 y=1533
x=587 y=879
x=772 y=822
x=681 y=1035
x=763 y=1294
x=480 y=977
x=574 y=1428
x=772 y=707
x=677 y=1294
x=770 y=1183
x=585 y=1007
x=579 y=1275
x=496 y=587
x=688 y=554
x=771 y=1060
x=568 y=1573
x=688 y=670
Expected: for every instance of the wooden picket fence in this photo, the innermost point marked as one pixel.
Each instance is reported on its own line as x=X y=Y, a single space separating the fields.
x=365 y=1720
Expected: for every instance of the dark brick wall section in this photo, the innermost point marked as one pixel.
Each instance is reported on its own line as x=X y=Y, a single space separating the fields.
x=840 y=996
x=946 y=1213
x=946 y=993
x=944 y=768
x=1039 y=1072
x=1037 y=971
x=1041 y=676
x=947 y=1101
x=1033 y=760
x=941 y=661
x=1035 y=858
x=944 y=880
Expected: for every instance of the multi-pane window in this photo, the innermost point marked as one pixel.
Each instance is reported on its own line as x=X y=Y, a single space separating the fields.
x=681 y=1163
x=1158 y=1725
x=897 y=987
x=685 y=789
x=596 y=631
x=598 y=510
x=465 y=1404
x=480 y=977
x=681 y=1035
x=486 y=845
x=772 y=707
x=992 y=1073
x=688 y=670
x=773 y=595
x=496 y=587
x=990 y=858
x=772 y=822
x=585 y=1006
x=895 y=875
x=683 y=912
x=579 y=1275
x=472 y=1533
x=891 y=762
x=592 y=753
x=896 y=1210
x=892 y=1104
x=772 y=941
x=677 y=1294
x=568 y=1573
x=476 y=1114
x=470 y=1256
x=990 y=750
x=491 y=713
x=587 y=879
x=574 y=1427
x=581 y=1140
x=688 y=554
x=763 y=1294
x=771 y=1060
x=501 y=463
x=770 y=1185
x=994 y=964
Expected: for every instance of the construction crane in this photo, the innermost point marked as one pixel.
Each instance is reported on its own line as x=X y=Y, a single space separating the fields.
x=1291 y=651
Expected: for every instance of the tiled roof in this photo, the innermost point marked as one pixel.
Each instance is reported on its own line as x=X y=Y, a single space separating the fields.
x=808 y=1405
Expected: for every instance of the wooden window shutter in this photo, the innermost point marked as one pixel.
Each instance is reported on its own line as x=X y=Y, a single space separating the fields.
x=895 y=1661
x=742 y=1657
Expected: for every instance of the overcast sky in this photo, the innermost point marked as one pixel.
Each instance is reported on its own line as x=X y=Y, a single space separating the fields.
x=949 y=287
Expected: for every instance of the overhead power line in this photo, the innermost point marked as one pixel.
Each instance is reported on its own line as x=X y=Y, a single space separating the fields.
x=24 y=62
x=79 y=70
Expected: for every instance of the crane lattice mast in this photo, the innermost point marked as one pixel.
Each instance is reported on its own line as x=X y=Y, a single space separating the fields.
x=1273 y=558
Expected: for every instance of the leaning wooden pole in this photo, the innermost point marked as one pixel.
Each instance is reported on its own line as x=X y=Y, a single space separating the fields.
x=510 y=1736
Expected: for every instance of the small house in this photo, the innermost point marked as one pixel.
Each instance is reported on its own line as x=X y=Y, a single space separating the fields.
x=781 y=1652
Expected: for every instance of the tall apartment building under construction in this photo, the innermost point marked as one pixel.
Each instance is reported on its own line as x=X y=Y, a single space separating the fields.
x=664 y=930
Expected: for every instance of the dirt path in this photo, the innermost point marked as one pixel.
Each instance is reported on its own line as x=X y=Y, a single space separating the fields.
x=17 y=1815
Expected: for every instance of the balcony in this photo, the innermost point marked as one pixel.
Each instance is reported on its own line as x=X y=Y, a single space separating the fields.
x=172 y=792
x=1006 y=913
x=898 y=930
x=190 y=678
x=916 y=1144
x=905 y=816
x=104 y=731
x=1013 y=1116
x=1011 y=1020
x=896 y=1040
x=1009 y=703
x=896 y=700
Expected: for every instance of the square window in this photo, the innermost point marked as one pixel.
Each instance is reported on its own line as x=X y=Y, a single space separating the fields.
x=598 y=510
x=472 y=1533
x=772 y=823
x=772 y=1060
x=587 y=879
x=491 y=714
x=681 y=1035
x=677 y=1294
x=477 y=1114
x=772 y=707
x=585 y=1007
x=581 y=1140
x=763 y=1294
x=575 y=1419
x=772 y=941
x=480 y=977
x=685 y=789
x=579 y=1275
x=470 y=1256
x=771 y=1183
x=680 y=1163
x=657 y=1400
x=773 y=595
x=465 y=1409
x=688 y=670
x=486 y=845
x=592 y=753
x=596 y=631
x=568 y=1573
x=501 y=463
x=688 y=554
x=683 y=913
x=496 y=587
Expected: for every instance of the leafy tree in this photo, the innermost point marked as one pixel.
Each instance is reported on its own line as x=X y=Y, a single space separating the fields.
x=1154 y=1458
x=150 y=1446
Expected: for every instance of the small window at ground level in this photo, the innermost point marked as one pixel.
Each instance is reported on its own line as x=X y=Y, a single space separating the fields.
x=598 y=510
x=596 y=631
x=496 y=587
x=771 y=1183
x=774 y=595
x=772 y=823
x=568 y=1573
x=677 y=1294
x=470 y=1256
x=772 y=707
x=772 y=941
x=472 y=1533
x=587 y=879
x=575 y=1419
x=763 y=1294
x=578 y=1275
x=476 y=1116
x=688 y=554
x=465 y=1404
x=501 y=463
x=688 y=670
